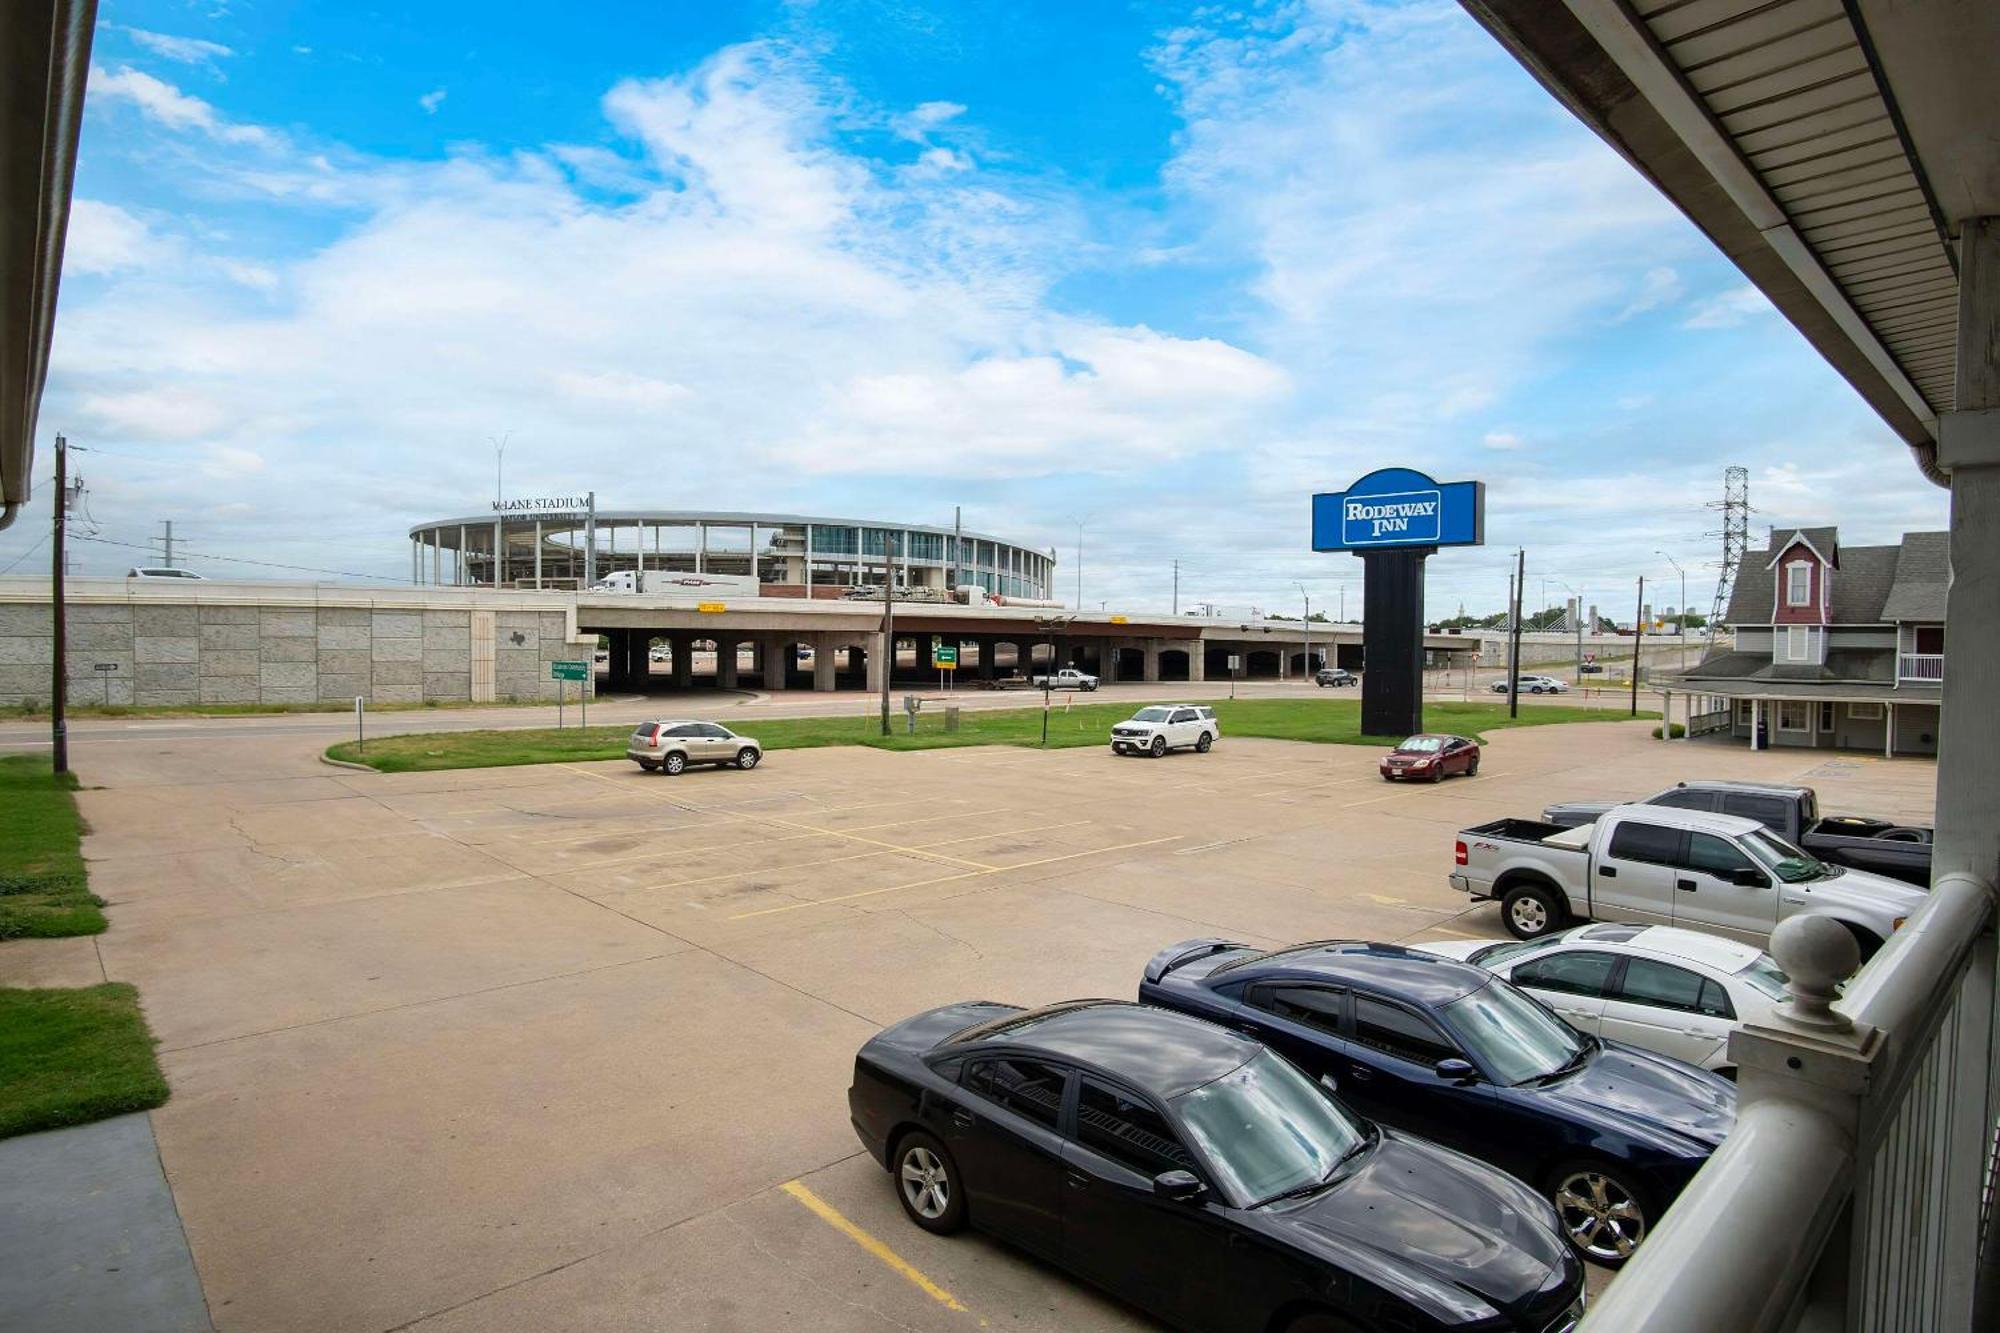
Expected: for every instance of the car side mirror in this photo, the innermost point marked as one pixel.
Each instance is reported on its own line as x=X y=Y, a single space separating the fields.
x=1454 y=1070
x=1180 y=1186
x=1749 y=878
x=1330 y=1083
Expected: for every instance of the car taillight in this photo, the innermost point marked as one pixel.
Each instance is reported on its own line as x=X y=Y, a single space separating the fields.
x=1458 y=855
x=654 y=740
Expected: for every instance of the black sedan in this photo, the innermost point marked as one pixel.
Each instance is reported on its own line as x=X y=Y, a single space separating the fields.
x=1195 y=1173
x=1610 y=1133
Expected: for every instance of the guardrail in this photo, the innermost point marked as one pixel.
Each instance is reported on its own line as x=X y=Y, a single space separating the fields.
x=1920 y=666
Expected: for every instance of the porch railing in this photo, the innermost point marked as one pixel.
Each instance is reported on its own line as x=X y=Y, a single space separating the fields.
x=1921 y=666
x=1714 y=720
x=1850 y=1192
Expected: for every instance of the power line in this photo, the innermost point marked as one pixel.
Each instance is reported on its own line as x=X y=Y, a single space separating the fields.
x=241 y=560
x=25 y=554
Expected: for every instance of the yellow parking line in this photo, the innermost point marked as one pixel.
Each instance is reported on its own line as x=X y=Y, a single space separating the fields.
x=834 y=1218
x=1007 y=833
x=877 y=842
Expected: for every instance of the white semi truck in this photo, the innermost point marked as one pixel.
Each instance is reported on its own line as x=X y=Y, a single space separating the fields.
x=671 y=583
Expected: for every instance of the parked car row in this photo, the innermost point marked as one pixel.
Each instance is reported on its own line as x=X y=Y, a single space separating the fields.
x=1331 y=1136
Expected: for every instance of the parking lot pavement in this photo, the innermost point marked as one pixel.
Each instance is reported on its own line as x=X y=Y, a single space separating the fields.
x=543 y=1047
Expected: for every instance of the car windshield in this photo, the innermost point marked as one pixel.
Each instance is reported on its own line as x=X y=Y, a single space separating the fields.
x=1493 y=955
x=1764 y=977
x=1152 y=715
x=1422 y=745
x=1513 y=1037
x=1782 y=859
x=1267 y=1129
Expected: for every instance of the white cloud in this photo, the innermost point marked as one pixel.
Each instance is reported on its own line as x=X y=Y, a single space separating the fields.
x=168 y=106
x=1501 y=439
x=619 y=388
x=1727 y=309
x=1659 y=286
x=104 y=238
x=431 y=100
x=182 y=50
x=917 y=123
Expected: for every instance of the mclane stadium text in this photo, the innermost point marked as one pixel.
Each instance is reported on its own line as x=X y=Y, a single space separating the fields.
x=1390 y=517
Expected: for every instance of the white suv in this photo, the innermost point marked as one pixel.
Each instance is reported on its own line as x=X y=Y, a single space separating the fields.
x=1165 y=727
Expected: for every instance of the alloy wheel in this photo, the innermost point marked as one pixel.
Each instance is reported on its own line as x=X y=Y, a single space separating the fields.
x=925 y=1183
x=1600 y=1216
x=1530 y=914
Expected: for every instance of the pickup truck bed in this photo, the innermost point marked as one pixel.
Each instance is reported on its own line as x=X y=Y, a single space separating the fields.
x=1530 y=830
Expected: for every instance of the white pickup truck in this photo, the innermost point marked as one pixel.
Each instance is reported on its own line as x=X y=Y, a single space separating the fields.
x=1069 y=678
x=1658 y=866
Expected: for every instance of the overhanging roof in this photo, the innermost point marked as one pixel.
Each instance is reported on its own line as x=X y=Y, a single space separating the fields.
x=1831 y=148
x=44 y=62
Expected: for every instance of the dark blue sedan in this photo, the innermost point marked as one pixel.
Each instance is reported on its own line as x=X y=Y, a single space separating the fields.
x=1445 y=1050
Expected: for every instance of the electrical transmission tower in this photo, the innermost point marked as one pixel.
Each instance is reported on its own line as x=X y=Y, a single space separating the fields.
x=1735 y=534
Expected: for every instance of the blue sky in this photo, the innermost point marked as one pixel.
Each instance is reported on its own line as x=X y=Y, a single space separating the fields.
x=1165 y=269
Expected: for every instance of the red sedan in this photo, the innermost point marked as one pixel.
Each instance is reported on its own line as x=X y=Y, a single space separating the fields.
x=1431 y=757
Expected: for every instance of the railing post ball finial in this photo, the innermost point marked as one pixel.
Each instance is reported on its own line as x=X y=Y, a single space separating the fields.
x=1816 y=954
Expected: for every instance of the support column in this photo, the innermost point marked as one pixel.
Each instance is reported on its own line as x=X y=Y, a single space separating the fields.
x=987 y=647
x=725 y=663
x=1888 y=731
x=1666 y=714
x=825 y=668
x=876 y=657
x=1392 y=691
x=1756 y=724
x=778 y=654
x=683 y=650
x=1197 y=652
x=1108 y=665
x=1152 y=672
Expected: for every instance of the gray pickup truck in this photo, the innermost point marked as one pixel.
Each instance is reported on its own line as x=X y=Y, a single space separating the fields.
x=1899 y=850
x=1660 y=866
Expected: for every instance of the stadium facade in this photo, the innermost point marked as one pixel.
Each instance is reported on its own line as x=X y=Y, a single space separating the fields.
x=566 y=542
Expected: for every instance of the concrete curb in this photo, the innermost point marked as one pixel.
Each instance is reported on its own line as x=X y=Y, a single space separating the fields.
x=326 y=758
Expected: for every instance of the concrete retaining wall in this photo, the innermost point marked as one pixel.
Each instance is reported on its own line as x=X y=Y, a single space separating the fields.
x=143 y=651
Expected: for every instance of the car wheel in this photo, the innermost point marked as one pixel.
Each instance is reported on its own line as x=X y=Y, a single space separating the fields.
x=927 y=1183
x=1437 y=772
x=1159 y=746
x=1604 y=1215
x=747 y=757
x=1201 y=746
x=1472 y=769
x=674 y=763
x=1530 y=910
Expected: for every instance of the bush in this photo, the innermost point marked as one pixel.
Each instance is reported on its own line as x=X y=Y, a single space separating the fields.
x=1676 y=728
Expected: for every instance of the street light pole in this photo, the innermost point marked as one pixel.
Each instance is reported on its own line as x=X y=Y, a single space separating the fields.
x=1309 y=626
x=1680 y=641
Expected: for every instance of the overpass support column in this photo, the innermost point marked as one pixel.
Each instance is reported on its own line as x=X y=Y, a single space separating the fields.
x=683 y=649
x=638 y=662
x=824 y=667
x=1152 y=650
x=986 y=647
x=776 y=651
x=877 y=660
x=725 y=663
x=1197 y=653
x=1108 y=664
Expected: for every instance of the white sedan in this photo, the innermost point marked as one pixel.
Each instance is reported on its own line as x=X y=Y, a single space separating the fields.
x=1677 y=992
x=1535 y=685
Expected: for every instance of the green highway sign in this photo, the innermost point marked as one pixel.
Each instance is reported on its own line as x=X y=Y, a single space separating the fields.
x=944 y=654
x=569 y=671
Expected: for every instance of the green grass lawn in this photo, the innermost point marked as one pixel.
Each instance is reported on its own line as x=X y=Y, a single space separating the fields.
x=71 y=1056
x=1327 y=721
x=44 y=890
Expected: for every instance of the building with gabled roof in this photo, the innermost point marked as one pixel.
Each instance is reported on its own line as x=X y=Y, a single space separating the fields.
x=1835 y=647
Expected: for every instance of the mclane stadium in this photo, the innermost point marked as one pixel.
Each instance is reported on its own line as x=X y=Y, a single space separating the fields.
x=567 y=543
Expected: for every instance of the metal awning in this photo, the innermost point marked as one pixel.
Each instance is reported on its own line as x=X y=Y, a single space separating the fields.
x=1830 y=157
x=44 y=63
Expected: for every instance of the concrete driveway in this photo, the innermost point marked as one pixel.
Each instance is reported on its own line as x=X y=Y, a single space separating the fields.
x=567 y=1047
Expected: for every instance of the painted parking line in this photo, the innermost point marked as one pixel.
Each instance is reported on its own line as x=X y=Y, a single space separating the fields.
x=1009 y=833
x=948 y=879
x=894 y=1262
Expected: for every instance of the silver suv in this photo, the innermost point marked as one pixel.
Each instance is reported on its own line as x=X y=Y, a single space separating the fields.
x=671 y=746
x=1163 y=727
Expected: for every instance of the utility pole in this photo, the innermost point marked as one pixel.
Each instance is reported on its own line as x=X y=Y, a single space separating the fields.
x=1177 y=587
x=888 y=621
x=1638 y=641
x=59 y=657
x=167 y=543
x=1079 y=562
x=1518 y=586
x=1309 y=627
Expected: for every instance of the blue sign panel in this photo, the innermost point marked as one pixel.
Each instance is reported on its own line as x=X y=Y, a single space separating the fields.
x=1399 y=507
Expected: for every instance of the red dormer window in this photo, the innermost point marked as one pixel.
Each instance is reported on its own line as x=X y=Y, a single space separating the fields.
x=1798 y=583
x=1801 y=593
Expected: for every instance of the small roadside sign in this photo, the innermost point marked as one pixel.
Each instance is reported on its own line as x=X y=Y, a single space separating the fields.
x=944 y=654
x=1121 y=620
x=712 y=608
x=569 y=671
x=104 y=666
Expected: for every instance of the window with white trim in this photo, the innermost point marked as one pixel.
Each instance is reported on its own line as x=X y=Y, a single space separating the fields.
x=1793 y=715
x=1744 y=711
x=1798 y=583
x=1865 y=712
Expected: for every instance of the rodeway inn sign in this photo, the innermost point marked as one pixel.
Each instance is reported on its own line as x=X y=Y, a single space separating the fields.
x=1399 y=507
